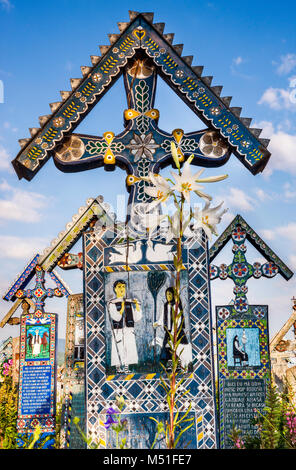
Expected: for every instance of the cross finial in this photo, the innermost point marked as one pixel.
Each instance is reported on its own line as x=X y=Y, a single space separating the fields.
x=39 y=293
x=240 y=270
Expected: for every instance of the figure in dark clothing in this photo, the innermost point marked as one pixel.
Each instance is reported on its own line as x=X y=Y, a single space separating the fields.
x=184 y=350
x=238 y=353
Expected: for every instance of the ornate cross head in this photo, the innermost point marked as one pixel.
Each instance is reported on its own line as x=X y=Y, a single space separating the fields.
x=141 y=52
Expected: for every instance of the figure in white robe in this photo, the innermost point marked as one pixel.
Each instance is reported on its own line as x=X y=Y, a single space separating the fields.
x=36 y=343
x=124 y=313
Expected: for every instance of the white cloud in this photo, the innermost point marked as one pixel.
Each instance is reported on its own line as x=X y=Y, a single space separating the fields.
x=292 y=261
x=287 y=64
x=4 y=159
x=20 y=247
x=8 y=125
x=237 y=199
x=263 y=195
x=267 y=234
x=278 y=98
x=289 y=193
x=288 y=231
x=6 y=5
x=284 y=231
x=20 y=205
x=238 y=60
x=282 y=147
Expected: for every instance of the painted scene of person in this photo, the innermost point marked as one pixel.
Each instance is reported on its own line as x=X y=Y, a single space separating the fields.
x=37 y=342
x=243 y=347
x=139 y=308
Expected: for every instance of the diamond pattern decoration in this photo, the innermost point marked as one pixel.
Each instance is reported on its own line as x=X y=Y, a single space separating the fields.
x=142 y=394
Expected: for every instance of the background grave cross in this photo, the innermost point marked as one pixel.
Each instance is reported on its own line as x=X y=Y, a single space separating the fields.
x=142 y=147
x=39 y=293
x=240 y=270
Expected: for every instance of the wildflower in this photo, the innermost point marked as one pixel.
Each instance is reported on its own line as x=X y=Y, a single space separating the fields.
x=187 y=182
x=110 y=419
x=175 y=224
x=151 y=221
x=160 y=190
x=208 y=218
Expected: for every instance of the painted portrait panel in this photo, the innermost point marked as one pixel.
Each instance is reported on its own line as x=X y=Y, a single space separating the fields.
x=37 y=342
x=243 y=348
x=138 y=317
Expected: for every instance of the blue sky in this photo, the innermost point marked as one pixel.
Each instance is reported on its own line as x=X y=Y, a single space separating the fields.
x=249 y=48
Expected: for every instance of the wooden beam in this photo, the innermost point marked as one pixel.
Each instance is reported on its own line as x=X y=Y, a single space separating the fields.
x=13 y=309
x=277 y=338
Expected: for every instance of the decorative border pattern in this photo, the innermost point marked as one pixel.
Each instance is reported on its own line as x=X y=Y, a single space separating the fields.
x=60 y=283
x=144 y=394
x=65 y=240
x=22 y=279
x=27 y=423
x=255 y=240
x=224 y=319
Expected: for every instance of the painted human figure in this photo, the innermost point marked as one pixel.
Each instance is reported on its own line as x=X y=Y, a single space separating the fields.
x=124 y=313
x=238 y=352
x=184 y=349
x=36 y=343
x=30 y=342
x=44 y=341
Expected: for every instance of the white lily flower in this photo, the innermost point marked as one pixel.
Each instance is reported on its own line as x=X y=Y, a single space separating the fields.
x=160 y=190
x=152 y=220
x=187 y=182
x=174 y=224
x=208 y=218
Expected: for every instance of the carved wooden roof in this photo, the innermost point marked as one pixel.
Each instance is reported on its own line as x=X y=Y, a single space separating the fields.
x=141 y=36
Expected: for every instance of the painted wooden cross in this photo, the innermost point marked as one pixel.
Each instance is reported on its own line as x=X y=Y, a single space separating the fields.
x=240 y=270
x=142 y=147
x=140 y=53
x=39 y=293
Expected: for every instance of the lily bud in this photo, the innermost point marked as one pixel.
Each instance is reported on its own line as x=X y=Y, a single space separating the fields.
x=175 y=155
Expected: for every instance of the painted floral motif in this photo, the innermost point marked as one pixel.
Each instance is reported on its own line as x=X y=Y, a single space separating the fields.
x=238 y=234
x=185 y=145
x=223 y=274
x=240 y=270
x=142 y=146
x=72 y=149
x=223 y=313
x=215 y=111
x=100 y=147
x=96 y=77
x=241 y=304
x=269 y=269
x=259 y=312
x=212 y=145
x=213 y=272
x=59 y=121
x=179 y=73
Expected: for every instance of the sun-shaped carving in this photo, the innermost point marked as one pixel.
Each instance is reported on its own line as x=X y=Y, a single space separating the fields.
x=212 y=145
x=140 y=69
x=71 y=149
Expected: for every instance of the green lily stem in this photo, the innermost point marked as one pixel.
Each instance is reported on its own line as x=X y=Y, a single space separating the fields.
x=175 y=359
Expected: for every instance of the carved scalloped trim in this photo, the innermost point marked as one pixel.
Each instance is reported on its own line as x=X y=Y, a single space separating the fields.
x=61 y=280
x=34 y=258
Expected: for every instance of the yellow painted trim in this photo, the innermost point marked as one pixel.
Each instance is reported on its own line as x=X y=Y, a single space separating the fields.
x=200 y=436
x=150 y=376
x=129 y=377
